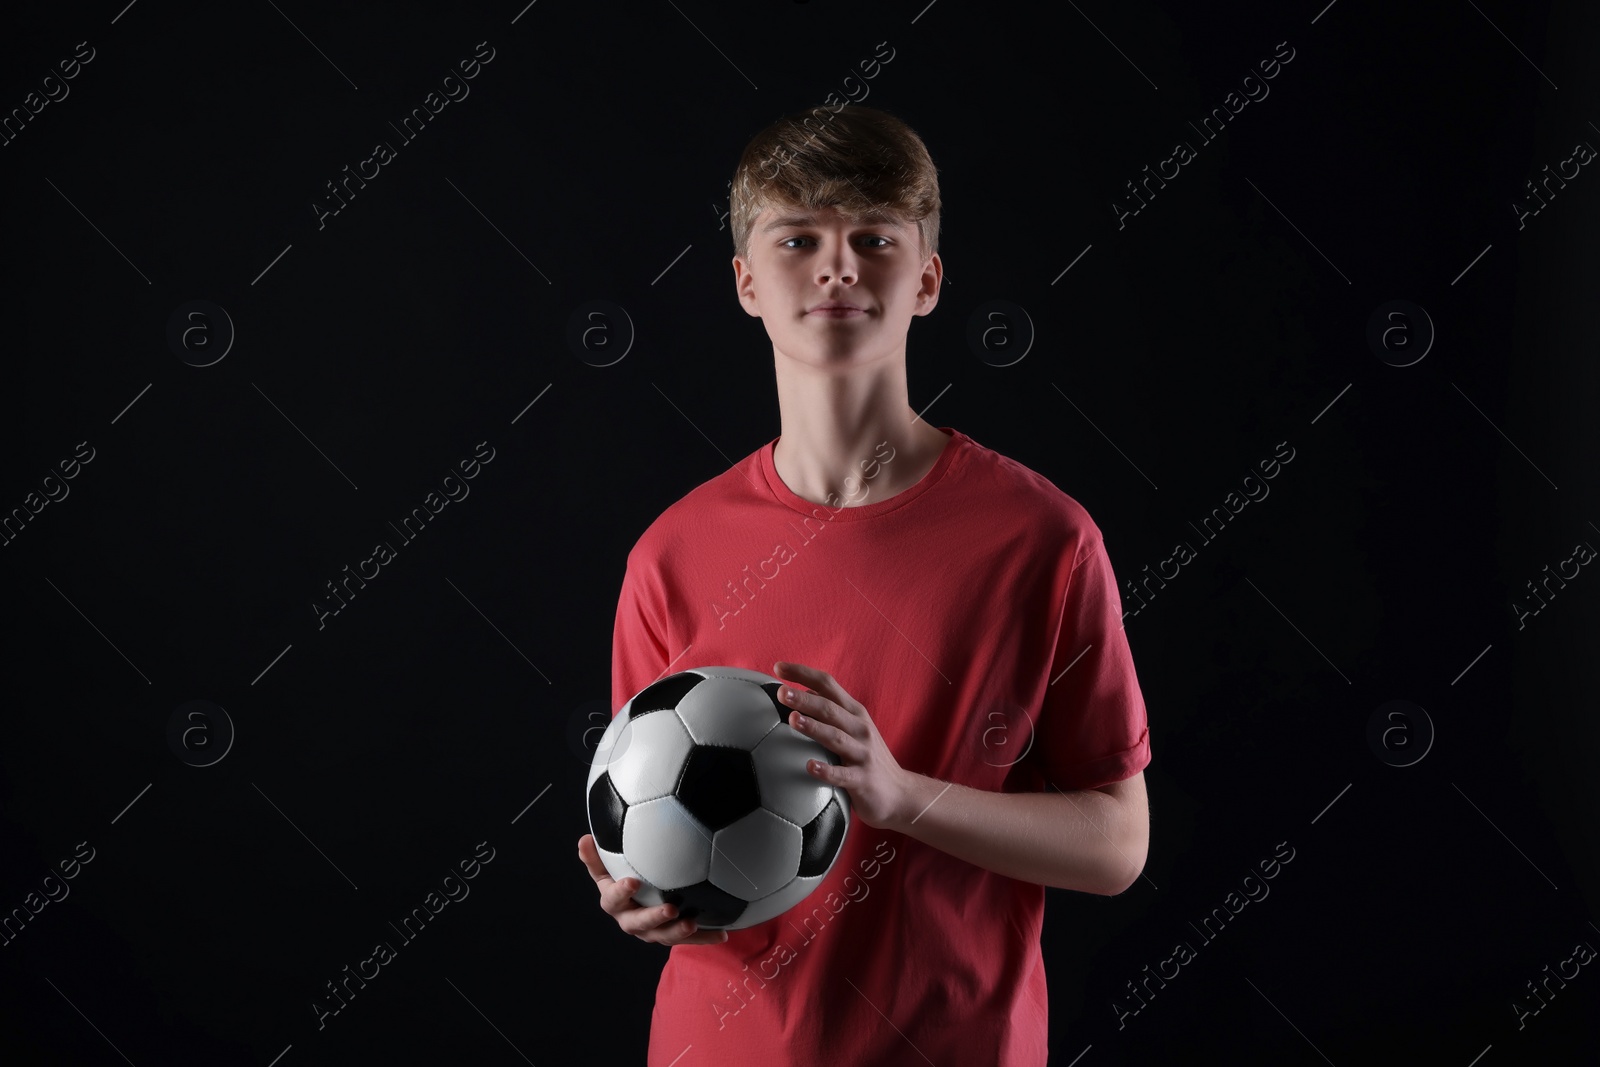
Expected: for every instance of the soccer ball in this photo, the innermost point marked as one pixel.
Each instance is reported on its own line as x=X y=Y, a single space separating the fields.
x=699 y=789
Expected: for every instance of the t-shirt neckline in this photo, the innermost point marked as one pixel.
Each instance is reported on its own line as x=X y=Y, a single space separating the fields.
x=873 y=508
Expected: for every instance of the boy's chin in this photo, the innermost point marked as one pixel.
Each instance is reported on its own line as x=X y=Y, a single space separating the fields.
x=828 y=358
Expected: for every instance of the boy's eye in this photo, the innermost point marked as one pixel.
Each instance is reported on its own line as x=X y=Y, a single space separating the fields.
x=869 y=237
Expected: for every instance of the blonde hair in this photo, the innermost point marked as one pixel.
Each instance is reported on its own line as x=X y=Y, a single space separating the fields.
x=858 y=159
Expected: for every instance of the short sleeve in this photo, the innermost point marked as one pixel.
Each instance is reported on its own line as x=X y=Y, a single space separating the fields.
x=1092 y=728
x=638 y=651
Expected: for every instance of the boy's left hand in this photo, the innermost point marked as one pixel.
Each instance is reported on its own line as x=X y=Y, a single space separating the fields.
x=838 y=722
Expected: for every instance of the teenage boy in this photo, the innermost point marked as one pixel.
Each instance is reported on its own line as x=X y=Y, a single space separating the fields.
x=949 y=620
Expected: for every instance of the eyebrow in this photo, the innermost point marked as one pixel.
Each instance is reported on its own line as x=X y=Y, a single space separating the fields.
x=876 y=218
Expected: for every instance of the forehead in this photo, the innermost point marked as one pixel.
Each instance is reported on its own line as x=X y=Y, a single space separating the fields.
x=785 y=216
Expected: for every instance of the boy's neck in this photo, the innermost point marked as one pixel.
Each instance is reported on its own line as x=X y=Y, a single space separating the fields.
x=830 y=459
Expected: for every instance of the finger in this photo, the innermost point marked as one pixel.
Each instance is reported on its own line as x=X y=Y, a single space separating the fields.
x=823 y=771
x=798 y=698
x=686 y=932
x=704 y=937
x=798 y=671
x=617 y=898
x=816 y=708
x=589 y=852
x=808 y=723
x=834 y=709
x=615 y=893
x=793 y=672
x=817 y=680
x=642 y=921
x=832 y=738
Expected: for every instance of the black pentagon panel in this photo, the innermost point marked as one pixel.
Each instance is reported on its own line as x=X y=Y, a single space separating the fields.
x=821 y=838
x=665 y=694
x=780 y=710
x=606 y=810
x=718 y=785
x=705 y=904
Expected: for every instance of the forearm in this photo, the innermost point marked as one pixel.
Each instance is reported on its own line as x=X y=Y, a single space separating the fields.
x=1074 y=839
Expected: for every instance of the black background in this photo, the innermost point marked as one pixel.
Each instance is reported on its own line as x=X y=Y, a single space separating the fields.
x=590 y=161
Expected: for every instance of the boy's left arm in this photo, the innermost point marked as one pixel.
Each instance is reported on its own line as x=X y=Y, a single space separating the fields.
x=1090 y=840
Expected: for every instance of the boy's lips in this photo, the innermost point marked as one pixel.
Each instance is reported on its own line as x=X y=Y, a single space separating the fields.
x=837 y=311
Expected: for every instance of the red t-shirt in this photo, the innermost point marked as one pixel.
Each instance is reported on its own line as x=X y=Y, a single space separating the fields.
x=976 y=617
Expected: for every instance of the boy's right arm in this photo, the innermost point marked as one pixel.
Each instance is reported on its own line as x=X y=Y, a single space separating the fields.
x=638 y=655
x=647 y=924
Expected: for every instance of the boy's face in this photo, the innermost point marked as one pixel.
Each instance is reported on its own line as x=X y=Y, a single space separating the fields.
x=800 y=260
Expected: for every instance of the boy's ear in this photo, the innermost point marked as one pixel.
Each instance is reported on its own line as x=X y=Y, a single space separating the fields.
x=744 y=287
x=928 y=293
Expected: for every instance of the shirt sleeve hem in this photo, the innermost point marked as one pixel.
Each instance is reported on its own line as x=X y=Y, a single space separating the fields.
x=1107 y=770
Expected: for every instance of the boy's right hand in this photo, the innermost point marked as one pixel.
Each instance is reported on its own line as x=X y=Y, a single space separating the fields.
x=647 y=924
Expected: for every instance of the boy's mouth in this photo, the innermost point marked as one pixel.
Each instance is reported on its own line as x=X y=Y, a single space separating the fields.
x=837 y=310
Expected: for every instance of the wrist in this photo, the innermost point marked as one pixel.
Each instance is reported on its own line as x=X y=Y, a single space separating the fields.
x=914 y=794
